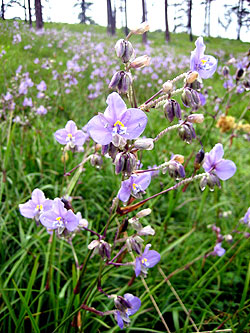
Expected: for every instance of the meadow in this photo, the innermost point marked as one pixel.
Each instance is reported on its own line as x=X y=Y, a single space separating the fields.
x=50 y=281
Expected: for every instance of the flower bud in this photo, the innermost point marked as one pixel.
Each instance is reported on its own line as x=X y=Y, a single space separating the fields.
x=225 y=71
x=96 y=160
x=124 y=50
x=143 y=213
x=120 y=161
x=190 y=98
x=148 y=230
x=144 y=144
x=121 y=80
x=228 y=238
x=178 y=158
x=121 y=304
x=240 y=73
x=143 y=27
x=104 y=249
x=211 y=180
x=119 y=141
x=199 y=158
x=186 y=132
x=140 y=62
x=175 y=169
x=167 y=87
x=197 y=118
x=136 y=244
x=130 y=165
x=171 y=109
x=192 y=76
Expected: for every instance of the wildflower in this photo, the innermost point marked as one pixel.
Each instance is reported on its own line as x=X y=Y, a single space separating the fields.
x=148 y=259
x=226 y=123
x=246 y=217
x=218 y=250
x=58 y=217
x=129 y=123
x=214 y=162
x=70 y=135
x=36 y=205
x=127 y=306
x=135 y=185
x=27 y=102
x=205 y=65
x=41 y=86
x=41 y=110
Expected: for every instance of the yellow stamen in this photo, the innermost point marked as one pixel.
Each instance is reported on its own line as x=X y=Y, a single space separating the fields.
x=39 y=207
x=119 y=123
x=70 y=135
x=144 y=260
x=59 y=218
x=134 y=186
x=203 y=61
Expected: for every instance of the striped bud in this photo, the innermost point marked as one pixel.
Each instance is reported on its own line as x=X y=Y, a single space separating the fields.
x=124 y=50
x=186 y=132
x=121 y=81
x=144 y=144
x=140 y=62
x=190 y=98
x=172 y=109
x=192 y=76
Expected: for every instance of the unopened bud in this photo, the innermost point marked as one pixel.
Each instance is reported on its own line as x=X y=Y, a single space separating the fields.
x=178 y=158
x=246 y=85
x=124 y=50
x=211 y=180
x=176 y=169
x=104 y=249
x=240 y=73
x=192 y=76
x=118 y=141
x=130 y=165
x=143 y=27
x=225 y=71
x=172 y=109
x=120 y=161
x=190 y=98
x=96 y=160
x=143 y=213
x=186 y=132
x=228 y=238
x=148 y=230
x=167 y=87
x=122 y=304
x=140 y=62
x=144 y=144
x=197 y=118
x=121 y=81
x=199 y=158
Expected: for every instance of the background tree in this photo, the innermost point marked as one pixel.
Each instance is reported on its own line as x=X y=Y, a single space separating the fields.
x=39 y=15
x=85 y=6
x=123 y=10
x=30 y=15
x=207 y=20
x=111 y=14
x=189 y=24
x=167 y=33
x=144 y=18
x=2 y=10
x=179 y=12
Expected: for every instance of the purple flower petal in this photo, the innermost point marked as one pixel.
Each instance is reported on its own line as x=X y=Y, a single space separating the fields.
x=125 y=190
x=38 y=196
x=71 y=127
x=218 y=250
x=143 y=180
x=135 y=303
x=47 y=205
x=246 y=218
x=80 y=138
x=61 y=136
x=116 y=107
x=28 y=209
x=225 y=169
x=135 y=120
x=152 y=258
x=137 y=266
x=213 y=157
x=58 y=207
x=48 y=219
x=100 y=130
x=207 y=67
x=119 y=319
x=71 y=220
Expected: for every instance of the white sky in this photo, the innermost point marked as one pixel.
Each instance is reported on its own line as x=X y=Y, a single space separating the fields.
x=64 y=11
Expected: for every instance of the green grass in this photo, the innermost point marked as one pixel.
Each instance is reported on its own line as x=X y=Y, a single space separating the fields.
x=38 y=272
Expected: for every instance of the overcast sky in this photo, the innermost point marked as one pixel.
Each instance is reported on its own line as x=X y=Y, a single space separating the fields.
x=64 y=11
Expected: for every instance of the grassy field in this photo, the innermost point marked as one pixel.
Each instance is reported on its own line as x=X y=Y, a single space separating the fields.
x=38 y=271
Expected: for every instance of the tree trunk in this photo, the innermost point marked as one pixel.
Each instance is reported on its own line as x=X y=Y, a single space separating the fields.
x=113 y=21
x=189 y=25
x=126 y=17
x=25 y=10
x=209 y=16
x=167 y=34
x=144 y=17
x=30 y=16
x=83 y=18
x=109 y=15
x=39 y=16
x=2 y=10
x=239 y=17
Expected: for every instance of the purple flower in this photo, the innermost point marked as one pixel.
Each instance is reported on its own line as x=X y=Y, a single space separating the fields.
x=218 y=250
x=129 y=123
x=8 y=96
x=27 y=102
x=70 y=134
x=41 y=86
x=148 y=259
x=135 y=185
x=246 y=217
x=127 y=305
x=41 y=110
x=205 y=65
x=58 y=217
x=36 y=205
x=213 y=161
